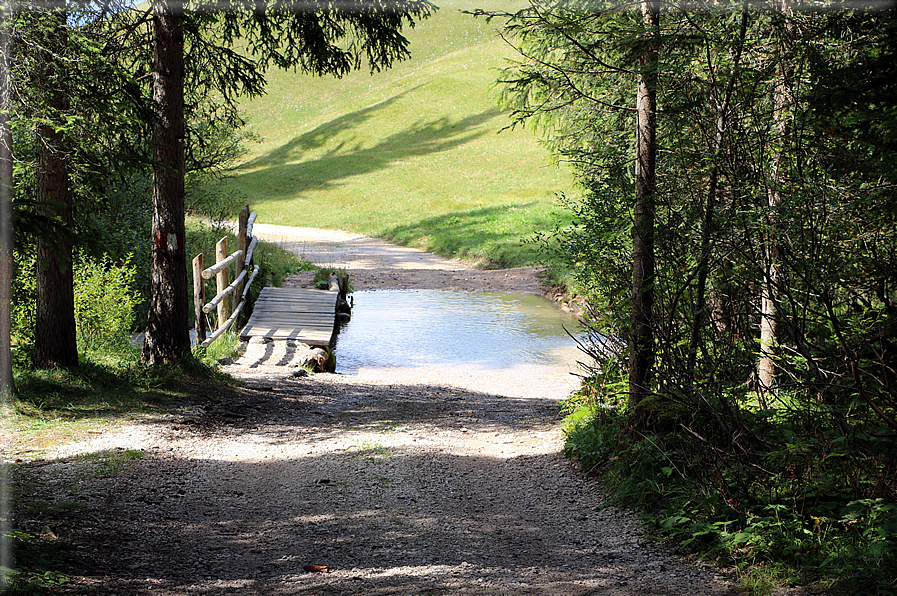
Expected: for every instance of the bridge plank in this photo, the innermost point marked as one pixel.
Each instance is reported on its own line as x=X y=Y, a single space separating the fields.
x=307 y=316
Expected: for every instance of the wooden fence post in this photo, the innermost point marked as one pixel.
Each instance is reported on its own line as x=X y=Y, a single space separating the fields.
x=199 y=299
x=221 y=282
x=242 y=243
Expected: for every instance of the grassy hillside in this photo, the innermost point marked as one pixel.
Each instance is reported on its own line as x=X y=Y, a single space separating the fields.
x=413 y=154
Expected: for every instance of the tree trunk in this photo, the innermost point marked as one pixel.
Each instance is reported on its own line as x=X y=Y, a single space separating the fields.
x=641 y=344
x=766 y=369
x=7 y=383
x=167 y=334
x=55 y=342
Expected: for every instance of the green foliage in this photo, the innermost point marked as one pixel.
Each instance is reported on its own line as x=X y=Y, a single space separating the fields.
x=853 y=121
x=593 y=423
x=118 y=226
x=105 y=306
x=276 y=264
x=104 y=303
x=592 y=435
x=782 y=189
x=33 y=556
x=796 y=508
x=209 y=197
x=24 y=294
x=218 y=144
x=595 y=245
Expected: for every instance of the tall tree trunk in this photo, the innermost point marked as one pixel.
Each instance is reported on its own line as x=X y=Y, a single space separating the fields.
x=769 y=313
x=7 y=384
x=641 y=343
x=167 y=335
x=55 y=342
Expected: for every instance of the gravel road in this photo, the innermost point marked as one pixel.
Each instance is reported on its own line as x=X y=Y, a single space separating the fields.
x=396 y=483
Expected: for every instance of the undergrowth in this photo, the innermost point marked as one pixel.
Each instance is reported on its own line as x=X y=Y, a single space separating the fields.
x=34 y=555
x=809 y=509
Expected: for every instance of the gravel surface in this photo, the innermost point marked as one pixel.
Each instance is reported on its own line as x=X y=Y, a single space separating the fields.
x=396 y=482
x=378 y=265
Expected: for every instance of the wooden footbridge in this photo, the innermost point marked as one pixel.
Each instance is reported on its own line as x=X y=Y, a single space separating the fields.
x=306 y=316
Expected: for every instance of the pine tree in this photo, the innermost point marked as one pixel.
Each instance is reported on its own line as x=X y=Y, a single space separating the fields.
x=316 y=37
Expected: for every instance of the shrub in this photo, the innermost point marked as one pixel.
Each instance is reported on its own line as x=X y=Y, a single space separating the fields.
x=24 y=293
x=104 y=302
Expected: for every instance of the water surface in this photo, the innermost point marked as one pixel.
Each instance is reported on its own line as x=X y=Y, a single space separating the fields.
x=468 y=336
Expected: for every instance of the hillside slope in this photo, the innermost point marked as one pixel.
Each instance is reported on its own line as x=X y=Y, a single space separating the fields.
x=415 y=154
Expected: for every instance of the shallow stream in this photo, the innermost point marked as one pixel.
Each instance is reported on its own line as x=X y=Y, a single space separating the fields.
x=511 y=344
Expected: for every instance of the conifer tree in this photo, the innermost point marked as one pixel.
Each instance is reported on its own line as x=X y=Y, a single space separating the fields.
x=55 y=342
x=323 y=38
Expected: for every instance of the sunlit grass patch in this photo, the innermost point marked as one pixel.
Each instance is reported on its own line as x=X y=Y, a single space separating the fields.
x=419 y=154
x=371 y=451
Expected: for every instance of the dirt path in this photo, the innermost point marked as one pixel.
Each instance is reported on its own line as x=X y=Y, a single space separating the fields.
x=375 y=264
x=398 y=487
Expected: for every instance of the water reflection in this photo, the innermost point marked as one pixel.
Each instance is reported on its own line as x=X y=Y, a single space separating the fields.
x=420 y=328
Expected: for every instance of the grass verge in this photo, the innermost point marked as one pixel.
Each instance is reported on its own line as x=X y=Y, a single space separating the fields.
x=54 y=407
x=107 y=390
x=63 y=406
x=817 y=520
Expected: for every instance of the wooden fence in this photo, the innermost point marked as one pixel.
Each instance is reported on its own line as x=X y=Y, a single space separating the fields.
x=242 y=261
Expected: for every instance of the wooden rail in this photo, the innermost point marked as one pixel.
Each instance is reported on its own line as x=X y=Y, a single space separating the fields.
x=242 y=260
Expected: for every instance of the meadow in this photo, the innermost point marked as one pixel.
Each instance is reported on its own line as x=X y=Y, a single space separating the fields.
x=419 y=154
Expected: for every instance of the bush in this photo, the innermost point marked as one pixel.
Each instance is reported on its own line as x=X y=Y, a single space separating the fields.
x=592 y=427
x=104 y=303
x=809 y=509
x=120 y=228
x=24 y=295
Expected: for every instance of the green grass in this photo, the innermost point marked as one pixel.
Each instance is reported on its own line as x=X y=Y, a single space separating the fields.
x=415 y=154
x=371 y=452
x=59 y=406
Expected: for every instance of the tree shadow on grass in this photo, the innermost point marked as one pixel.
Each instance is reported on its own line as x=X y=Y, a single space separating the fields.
x=486 y=233
x=293 y=150
x=284 y=176
x=89 y=390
